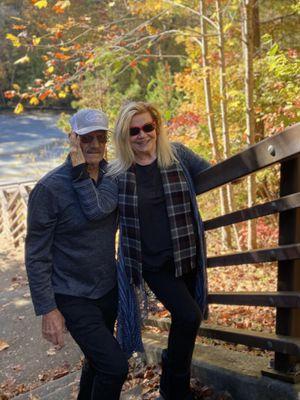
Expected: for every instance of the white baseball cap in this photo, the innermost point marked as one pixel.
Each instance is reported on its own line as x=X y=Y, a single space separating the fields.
x=89 y=120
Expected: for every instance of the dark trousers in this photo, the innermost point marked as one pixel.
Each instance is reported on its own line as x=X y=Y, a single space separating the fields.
x=91 y=324
x=177 y=295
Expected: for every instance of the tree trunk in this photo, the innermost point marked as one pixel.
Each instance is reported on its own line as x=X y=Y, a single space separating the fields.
x=226 y=233
x=259 y=123
x=223 y=106
x=248 y=46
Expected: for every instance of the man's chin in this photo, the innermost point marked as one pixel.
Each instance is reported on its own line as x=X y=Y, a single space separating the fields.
x=92 y=159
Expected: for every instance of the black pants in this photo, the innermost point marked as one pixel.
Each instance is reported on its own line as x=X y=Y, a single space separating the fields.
x=177 y=295
x=91 y=324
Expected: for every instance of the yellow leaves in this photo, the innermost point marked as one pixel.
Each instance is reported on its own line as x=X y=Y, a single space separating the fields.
x=66 y=48
x=60 y=6
x=62 y=95
x=75 y=86
x=151 y=30
x=22 y=60
x=195 y=66
x=139 y=7
x=227 y=27
x=35 y=40
x=19 y=108
x=14 y=39
x=111 y=4
x=180 y=39
x=41 y=4
x=16 y=86
x=50 y=70
x=34 y=101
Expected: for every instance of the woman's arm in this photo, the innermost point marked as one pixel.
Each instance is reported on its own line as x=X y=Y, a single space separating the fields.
x=193 y=162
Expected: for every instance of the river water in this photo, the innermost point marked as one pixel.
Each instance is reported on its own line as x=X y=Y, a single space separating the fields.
x=30 y=145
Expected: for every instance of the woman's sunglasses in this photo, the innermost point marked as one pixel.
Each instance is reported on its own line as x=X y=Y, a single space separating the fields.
x=135 y=130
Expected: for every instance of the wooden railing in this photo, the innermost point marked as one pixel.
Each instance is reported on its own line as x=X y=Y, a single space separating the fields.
x=283 y=148
x=13 y=210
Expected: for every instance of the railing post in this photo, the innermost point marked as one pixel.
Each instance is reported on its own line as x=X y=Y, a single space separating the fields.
x=288 y=320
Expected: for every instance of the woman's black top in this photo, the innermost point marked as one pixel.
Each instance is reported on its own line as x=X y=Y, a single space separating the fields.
x=155 y=231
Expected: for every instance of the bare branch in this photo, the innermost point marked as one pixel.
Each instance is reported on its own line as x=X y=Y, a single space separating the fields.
x=211 y=22
x=281 y=17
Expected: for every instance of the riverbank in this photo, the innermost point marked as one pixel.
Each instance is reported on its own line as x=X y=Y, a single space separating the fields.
x=31 y=144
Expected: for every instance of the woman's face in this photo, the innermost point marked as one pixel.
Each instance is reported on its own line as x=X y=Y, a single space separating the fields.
x=143 y=142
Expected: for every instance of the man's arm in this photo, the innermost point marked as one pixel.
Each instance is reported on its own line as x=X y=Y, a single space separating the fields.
x=42 y=218
x=96 y=202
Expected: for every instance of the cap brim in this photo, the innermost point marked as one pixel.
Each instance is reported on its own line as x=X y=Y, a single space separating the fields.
x=90 y=129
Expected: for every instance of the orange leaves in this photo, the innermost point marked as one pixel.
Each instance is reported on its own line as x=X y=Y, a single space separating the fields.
x=62 y=56
x=19 y=27
x=10 y=94
x=45 y=94
x=60 y=6
x=133 y=63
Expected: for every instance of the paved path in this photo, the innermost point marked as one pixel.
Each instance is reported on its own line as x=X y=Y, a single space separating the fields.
x=29 y=360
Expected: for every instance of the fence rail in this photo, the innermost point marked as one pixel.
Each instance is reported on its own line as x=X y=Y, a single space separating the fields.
x=13 y=210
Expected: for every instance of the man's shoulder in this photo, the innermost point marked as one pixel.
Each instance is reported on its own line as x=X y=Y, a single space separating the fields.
x=61 y=172
x=56 y=177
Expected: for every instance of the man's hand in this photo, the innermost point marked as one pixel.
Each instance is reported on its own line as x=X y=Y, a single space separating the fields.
x=53 y=327
x=75 y=150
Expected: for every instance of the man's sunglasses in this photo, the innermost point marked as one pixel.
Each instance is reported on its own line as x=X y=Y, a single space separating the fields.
x=135 y=130
x=89 y=138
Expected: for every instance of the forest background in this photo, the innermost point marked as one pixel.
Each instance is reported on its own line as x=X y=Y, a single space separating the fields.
x=224 y=73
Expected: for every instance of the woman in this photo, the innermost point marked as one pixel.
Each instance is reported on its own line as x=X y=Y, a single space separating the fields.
x=152 y=182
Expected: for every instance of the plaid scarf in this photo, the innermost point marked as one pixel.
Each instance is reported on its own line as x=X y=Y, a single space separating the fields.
x=180 y=215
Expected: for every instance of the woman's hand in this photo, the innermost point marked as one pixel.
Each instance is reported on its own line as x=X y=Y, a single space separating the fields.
x=76 y=154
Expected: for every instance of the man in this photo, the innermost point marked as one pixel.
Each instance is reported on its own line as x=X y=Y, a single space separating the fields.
x=70 y=263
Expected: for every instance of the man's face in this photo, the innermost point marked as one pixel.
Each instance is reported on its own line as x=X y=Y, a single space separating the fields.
x=93 y=146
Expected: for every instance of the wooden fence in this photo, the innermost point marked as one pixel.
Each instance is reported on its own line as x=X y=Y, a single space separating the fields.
x=283 y=148
x=13 y=210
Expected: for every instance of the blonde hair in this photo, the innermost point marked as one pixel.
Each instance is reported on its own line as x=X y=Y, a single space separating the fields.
x=124 y=154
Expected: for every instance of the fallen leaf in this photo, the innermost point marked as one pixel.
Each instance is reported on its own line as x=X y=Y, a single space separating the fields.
x=51 y=351
x=3 y=345
x=60 y=374
x=18 y=368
